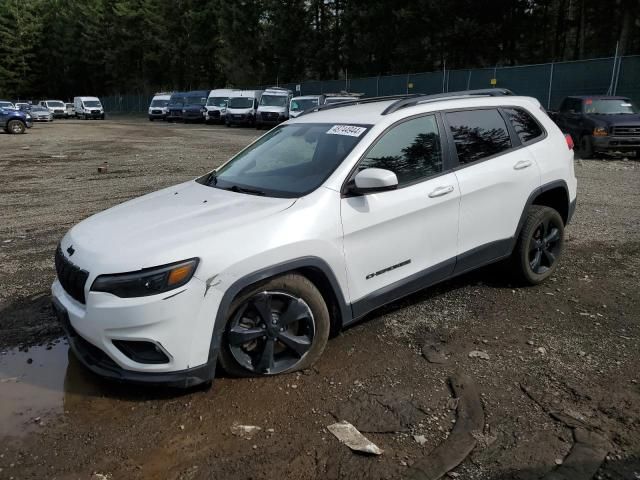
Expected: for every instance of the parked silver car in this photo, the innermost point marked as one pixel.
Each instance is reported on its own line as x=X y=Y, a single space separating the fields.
x=41 y=114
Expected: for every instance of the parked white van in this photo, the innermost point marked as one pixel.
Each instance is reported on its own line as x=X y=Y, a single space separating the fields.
x=217 y=104
x=56 y=107
x=241 y=108
x=88 y=107
x=302 y=103
x=273 y=107
x=158 y=106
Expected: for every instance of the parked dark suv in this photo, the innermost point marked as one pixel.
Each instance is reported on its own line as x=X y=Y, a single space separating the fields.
x=600 y=124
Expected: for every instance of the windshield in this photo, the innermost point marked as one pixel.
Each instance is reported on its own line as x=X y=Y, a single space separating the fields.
x=176 y=100
x=302 y=104
x=195 y=100
x=56 y=104
x=39 y=109
x=241 y=102
x=610 y=107
x=92 y=103
x=217 y=101
x=6 y=105
x=159 y=103
x=289 y=161
x=273 y=101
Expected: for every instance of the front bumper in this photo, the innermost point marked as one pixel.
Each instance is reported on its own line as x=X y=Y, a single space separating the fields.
x=179 y=323
x=174 y=115
x=615 y=143
x=101 y=364
x=157 y=114
x=214 y=116
x=193 y=115
x=240 y=119
x=269 y=119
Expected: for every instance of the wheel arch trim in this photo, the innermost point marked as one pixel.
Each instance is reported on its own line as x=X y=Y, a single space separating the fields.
x=236 y=287
x=530 y=201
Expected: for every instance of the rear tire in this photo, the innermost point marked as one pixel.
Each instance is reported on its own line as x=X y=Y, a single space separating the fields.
x=540 y=245
x=278 y=326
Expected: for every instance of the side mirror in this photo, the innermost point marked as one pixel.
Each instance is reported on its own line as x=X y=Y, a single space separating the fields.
x=372 y=180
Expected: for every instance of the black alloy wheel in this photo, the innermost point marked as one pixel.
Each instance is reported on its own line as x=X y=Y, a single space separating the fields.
x=545 y=246
x=271 y=332
x=539 y=245
x=278 y=326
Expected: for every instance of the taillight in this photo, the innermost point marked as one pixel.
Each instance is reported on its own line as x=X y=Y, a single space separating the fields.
x=569 y=140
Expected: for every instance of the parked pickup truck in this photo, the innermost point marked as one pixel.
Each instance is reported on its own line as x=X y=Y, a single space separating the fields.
x=600 y=124
x=14 y=121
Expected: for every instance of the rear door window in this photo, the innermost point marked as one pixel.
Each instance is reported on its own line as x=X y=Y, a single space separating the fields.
x=478 y=134
x=524 y=124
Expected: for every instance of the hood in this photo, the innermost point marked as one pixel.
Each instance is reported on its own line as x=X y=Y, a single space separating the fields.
x=622 y=120
x=164 y=226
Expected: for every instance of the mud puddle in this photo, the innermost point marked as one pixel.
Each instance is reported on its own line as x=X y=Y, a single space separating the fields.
x=39 y=383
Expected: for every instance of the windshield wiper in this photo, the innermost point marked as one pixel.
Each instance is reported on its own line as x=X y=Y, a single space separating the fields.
x=250 y=191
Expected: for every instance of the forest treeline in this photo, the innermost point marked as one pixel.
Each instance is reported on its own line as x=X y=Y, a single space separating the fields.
x=59 y=48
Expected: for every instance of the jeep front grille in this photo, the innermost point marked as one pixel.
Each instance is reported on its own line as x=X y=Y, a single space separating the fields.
x=71 y=277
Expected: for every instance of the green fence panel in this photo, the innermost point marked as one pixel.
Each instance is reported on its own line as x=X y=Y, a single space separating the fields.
x=481 y=78
x=426 y=83
x=458 y=80
x=393 y=84
x=368 y=86
x=333 y=86
x=549 y=83
x=587 y=77
x=629 y=78
x=532 y=81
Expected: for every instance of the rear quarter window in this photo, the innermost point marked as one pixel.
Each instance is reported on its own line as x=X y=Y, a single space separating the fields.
x=524 y=124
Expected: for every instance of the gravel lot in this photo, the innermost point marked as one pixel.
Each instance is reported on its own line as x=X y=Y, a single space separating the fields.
x=561 y=356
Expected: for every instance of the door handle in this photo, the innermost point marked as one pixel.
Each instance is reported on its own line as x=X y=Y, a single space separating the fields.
x=440 y=191
x=522 y=164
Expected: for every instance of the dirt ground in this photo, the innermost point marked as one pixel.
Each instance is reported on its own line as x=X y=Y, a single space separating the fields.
x=570 y=346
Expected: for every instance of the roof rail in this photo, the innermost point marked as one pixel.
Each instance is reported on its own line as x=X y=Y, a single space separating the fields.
x=346 y=103
x=417 y=99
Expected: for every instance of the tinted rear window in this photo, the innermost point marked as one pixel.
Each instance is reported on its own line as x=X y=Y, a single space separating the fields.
x=478 y=134
x=524 y=124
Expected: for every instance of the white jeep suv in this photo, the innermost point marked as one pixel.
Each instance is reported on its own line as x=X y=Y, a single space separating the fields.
x=315 y=224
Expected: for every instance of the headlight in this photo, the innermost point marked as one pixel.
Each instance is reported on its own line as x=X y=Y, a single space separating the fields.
x=149 y=281
x=184 y=110
x=28 y=117
x=600 y=132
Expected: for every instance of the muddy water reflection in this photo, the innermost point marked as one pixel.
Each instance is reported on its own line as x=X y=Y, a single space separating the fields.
x=38 y=383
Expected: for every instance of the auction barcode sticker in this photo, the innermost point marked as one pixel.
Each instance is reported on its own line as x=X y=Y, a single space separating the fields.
x=350 y=130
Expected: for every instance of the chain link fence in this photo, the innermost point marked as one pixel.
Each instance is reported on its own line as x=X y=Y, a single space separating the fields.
x=548 y=82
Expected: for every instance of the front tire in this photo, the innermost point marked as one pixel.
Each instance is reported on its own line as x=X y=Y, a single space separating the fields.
x=279 y=326
x=539 y=245
x=15 y=127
